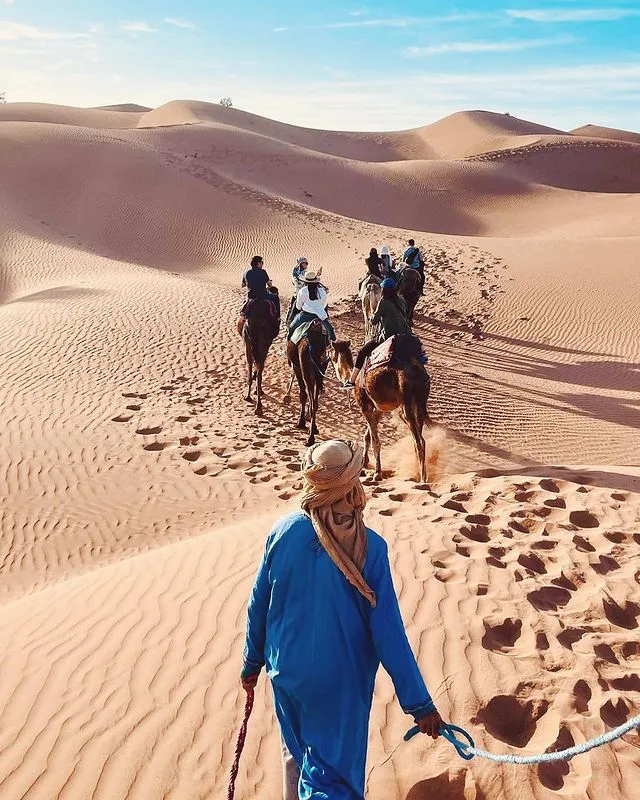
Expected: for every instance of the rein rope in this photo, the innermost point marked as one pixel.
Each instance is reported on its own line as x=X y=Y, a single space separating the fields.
x=248 y=707
x=467 y=749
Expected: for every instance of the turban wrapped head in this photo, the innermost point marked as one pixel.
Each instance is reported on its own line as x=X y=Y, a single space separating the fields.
x=334 y=499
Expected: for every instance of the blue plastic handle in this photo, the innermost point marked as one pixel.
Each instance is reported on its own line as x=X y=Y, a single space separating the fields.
x=448 y=732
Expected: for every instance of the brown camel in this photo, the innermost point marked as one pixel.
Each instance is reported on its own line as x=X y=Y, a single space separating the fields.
x=309 y=362
x=259 y=331
x=402 y=384
x=409 y=281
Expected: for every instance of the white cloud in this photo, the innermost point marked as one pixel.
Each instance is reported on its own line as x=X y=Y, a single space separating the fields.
x=485 y=47
x=361 y=12
x=404 y=22
x=573 y=14
x=179 y=23
x=9 y=2
x=16 y=31
x=138 y=27
x=280 y=30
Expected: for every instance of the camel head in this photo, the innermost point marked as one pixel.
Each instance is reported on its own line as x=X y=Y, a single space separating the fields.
x=340 y=354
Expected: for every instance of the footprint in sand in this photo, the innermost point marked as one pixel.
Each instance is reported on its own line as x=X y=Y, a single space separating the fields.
x=542 y=641
x=605 y=565
x=134 y=408
x=582 y=695
x=478 y=519
x=628 y=683
x=616 y=537
x=149 y=431
x=122 y=418
x=552 y=774
x=154 y=447
x=501 y=636
x=191 y=455
x=512 y=720
x=564 y=583
x=583 y=519
x=549 y=598
x=183 y=419
x=605 y=652
x=532 y=563
x=614 y=714
x=630 y=650
x=555 y=502
x=477 y=533
x=622 y=617
x=583 y=545
x=569 y=636
x=398 y=498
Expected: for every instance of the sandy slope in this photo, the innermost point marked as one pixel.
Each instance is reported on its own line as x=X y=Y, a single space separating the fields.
x=600 y=132
x=137 y=487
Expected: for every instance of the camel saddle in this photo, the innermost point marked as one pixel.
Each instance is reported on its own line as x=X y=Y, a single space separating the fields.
x=249 y=306
x=395 y=351
x=302 y=330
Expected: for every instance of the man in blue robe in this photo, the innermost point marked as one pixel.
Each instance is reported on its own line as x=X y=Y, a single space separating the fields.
x=322 y=616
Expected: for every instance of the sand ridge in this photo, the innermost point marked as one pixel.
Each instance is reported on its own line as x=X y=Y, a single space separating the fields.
x=138 y=487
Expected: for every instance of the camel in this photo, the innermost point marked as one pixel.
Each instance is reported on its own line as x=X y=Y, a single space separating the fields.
x=370 y=294
x=309 y=361
x=258 y=332
x=389 y=387
x=409 y=288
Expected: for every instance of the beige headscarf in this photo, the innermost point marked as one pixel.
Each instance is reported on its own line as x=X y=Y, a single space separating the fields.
x=334 y=498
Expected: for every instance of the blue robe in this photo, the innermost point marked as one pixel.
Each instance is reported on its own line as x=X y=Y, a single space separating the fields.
x=322 y=644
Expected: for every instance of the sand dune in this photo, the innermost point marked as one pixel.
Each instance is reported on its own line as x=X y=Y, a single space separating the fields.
x=111 y=117
x=600 y=132
x=138 y=487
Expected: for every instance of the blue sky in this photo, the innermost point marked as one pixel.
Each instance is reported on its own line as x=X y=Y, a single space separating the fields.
x=368 y=66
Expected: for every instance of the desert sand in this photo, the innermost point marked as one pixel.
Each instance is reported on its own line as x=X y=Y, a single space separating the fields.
x=137 y=487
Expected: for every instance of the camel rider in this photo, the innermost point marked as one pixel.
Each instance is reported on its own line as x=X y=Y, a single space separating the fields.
x=386 y=262
x=297 y=274
x=374 y=267
x=259 y=286
x=413 y=258
x=311 y=303
x=391 y=319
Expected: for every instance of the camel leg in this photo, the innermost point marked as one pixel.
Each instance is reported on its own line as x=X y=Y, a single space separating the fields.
x=367 y=445
x=249 y=355
x=302 y=423
x=287 y=396
x=258 y=410
x=415 y=420
x=312 y=392
x=372 y=425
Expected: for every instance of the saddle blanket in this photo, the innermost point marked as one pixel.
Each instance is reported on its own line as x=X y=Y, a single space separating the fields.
x=386 y=352
x=302 y=330
x=245 y=311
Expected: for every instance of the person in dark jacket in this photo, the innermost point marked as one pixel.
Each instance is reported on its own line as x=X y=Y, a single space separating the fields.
x=259 y=286
x=391 y=320
x=374 y=263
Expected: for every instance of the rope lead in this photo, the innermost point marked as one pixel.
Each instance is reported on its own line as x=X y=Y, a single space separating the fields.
x=468 y=750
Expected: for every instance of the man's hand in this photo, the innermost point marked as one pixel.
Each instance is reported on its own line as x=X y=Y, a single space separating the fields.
x=430 y=724
x=249 y=683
